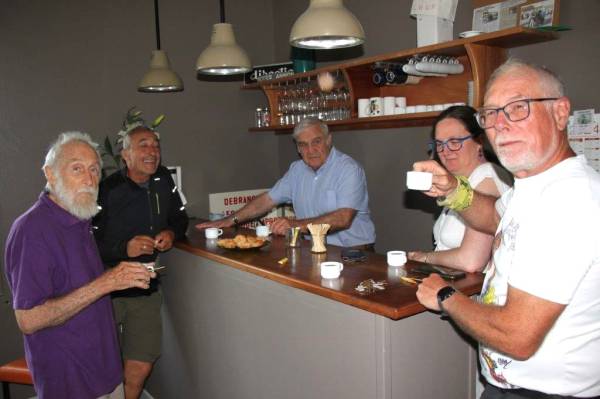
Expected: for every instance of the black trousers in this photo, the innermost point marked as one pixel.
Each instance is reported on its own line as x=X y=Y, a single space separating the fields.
x=493 y=392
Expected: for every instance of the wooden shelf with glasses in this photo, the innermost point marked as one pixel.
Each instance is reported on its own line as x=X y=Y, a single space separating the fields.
x=479 y=55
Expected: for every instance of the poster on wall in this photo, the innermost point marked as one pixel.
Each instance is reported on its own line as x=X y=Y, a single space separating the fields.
x=584 y=135
x=225 y=204
x=536 y=14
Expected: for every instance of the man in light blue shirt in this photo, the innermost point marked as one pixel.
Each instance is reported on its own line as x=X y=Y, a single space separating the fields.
x=326 y=186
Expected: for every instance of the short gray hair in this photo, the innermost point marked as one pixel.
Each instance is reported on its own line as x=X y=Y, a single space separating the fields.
x=307 y=123
x=141 y=128
x=551 y=84
x=53 y=156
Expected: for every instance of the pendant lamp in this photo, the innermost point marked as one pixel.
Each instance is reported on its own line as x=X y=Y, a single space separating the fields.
x=160 y=78
x=326 y=24
x=223 y=56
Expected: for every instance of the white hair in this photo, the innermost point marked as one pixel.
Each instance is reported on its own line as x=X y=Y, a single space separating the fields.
x=140 y=128
x=548 y=81
x=307 y=123
x=53 y=156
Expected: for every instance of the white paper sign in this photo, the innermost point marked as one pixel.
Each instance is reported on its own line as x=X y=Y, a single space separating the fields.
x=228 y=203
x=445 y=9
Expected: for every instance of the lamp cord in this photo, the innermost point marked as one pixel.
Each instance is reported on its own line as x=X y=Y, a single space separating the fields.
x=157 y=24
x=222 y=3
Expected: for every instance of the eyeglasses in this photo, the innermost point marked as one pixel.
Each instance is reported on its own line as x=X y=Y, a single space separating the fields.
x=515 y=111
x=453 y=144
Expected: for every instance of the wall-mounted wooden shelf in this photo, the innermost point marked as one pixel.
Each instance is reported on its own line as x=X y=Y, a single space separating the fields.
x=480 y=55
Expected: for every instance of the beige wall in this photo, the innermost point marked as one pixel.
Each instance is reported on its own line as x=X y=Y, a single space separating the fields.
x=69 y=65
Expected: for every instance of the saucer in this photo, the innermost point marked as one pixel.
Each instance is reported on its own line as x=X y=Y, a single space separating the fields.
x=469 y=33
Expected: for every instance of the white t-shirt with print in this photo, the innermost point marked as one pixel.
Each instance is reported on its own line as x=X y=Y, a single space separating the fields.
x=548 y=245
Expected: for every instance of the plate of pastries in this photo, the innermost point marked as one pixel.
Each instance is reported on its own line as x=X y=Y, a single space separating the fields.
x=242 y=242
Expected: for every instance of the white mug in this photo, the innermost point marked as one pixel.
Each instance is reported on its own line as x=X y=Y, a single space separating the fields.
x=401 y=102
x=212 y=232
x=262 y=231
x=418 y=180
x=331 y=269
x=376 y=106
x=389 y=104
x=396 y=258
x=363 y=107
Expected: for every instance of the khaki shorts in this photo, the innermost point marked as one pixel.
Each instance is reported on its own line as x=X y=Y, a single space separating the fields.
x=139 y=326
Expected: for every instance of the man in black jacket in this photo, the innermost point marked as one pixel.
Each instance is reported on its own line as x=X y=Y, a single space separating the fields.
x=142 y=215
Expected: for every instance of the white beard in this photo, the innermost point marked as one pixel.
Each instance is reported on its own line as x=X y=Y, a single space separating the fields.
x=82 y=211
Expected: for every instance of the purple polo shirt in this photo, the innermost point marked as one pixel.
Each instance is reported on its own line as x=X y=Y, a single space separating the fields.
x=50 y=253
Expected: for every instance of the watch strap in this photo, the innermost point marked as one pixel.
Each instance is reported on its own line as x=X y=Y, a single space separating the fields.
x=443 y=294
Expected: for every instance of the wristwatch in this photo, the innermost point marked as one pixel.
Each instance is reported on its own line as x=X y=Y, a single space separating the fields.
x=235 y=220
x=442 y=295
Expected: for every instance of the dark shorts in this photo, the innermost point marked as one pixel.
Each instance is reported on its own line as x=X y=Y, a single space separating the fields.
x=493 y=392
x=139 y=326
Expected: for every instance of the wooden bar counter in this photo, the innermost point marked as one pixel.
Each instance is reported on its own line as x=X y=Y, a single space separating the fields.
x=238 y=324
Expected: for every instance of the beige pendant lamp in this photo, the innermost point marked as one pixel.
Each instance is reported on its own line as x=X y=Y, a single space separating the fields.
x=160 y=78
x=223 y=56
x=326 y=24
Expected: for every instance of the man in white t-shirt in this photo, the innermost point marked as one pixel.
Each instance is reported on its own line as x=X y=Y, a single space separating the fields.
x=538 y=317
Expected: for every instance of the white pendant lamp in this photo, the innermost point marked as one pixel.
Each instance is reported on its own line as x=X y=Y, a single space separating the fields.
x=223 y=56
x=326 y=24
x=160 y=78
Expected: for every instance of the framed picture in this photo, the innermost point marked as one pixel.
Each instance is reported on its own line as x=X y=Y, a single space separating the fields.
x=535 y=13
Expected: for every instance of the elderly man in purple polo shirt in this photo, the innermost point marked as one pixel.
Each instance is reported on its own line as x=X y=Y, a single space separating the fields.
x=326 y=186
x=58 y=282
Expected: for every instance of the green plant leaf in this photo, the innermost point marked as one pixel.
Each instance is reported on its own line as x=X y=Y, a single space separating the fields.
x=158 y=121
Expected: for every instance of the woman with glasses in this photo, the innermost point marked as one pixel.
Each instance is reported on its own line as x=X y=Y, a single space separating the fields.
x=458 y=143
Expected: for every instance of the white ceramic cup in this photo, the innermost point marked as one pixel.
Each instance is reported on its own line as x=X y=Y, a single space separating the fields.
x=401 y=102
x=331 y=269
x=438 y=107
x=363 y=107
x=421 y=108
x=410 y=109
x=396 y=258
x=418 y=180
x=212 y=232
x=262 y=231
x=376 y=106
x=399 y=110
x=389 y=103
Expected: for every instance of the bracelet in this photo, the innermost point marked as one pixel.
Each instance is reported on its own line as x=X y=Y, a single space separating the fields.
x=235 y=220
x=459 y=199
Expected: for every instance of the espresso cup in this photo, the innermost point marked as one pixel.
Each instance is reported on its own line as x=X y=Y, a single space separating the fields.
x=396 y=258
x=262 y=231
x=212 y=232
x=418 y=180
x=331 y=269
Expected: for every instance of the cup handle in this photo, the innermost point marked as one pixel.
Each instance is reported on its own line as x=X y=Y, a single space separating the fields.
x=220 y=231
x=341 y=267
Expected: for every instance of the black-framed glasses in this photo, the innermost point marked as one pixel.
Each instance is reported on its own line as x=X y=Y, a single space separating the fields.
x=515 y=111
x=453 y=144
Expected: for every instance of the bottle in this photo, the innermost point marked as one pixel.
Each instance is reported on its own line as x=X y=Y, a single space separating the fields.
x=266 y=117
x=258 y=117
